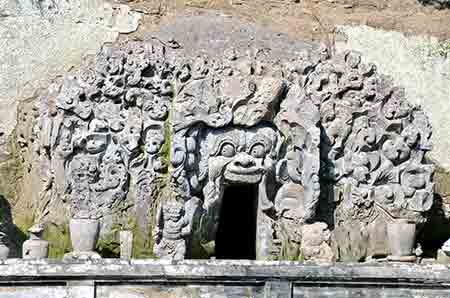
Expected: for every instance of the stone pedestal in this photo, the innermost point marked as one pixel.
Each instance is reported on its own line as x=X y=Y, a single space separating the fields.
x=126 y=245
x=442 y=257
x=401 y=237
x=4 y=251
x=83 y=235
x=35 y=247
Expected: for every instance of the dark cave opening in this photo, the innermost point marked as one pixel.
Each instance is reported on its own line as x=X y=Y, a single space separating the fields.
x=236 y=232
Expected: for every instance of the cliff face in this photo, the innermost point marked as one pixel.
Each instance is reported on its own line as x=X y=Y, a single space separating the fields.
x=43 y=40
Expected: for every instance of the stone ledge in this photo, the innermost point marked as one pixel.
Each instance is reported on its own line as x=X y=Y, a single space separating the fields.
x=117 y=278
x=149 y=270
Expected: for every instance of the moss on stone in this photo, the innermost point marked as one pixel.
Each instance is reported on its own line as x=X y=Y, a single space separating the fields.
x=11 y=170
x=58 y=237
x=142 y=244
x=437 y=229
x=201 y=251
x=108 y=246
x=8 y=179
x=165 y=150
x=290 y=251
x=442 y=182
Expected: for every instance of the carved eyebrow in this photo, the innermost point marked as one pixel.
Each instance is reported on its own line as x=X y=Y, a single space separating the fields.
x=219 y=143
x=257 y=142
x=260 y=139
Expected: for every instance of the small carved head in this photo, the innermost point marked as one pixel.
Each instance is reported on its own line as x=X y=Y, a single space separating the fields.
x=396 y=106
x=153 y=140
x=411 y=135
x=96 y=142
x=155 y=108
x=65 y=140
x=83 y=169
x=396 y=150
x=130 y=137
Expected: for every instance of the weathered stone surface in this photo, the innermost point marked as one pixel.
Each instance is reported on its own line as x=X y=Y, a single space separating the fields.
x=87 y=182
x=43 y=291
x=410 y=61
x=41 y=40
x=158 y=130
x=126 y=244
x=315 y=245
x=350 y=291
x=442 y=257
x=416 y=63
x=149 y=135
x=225 y=291
x=228 y=279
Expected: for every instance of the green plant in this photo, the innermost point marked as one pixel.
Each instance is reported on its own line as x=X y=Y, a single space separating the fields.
x=443 y=48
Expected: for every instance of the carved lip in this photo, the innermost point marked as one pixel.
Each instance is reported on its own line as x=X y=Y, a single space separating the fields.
x=95 y=148
x=244 y=175
x=245 y=171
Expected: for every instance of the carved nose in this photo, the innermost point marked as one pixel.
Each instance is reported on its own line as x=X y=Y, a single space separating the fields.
x=244 y=160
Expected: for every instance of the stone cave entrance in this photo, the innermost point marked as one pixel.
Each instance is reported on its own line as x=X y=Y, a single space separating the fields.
x=236 y=232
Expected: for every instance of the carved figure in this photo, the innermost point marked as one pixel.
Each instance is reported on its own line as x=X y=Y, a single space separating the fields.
x=172 y=227
x=316 y=243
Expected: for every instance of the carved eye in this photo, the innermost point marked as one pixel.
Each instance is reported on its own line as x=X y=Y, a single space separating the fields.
x=227 y=150
x=329 y=117
x=257 y=151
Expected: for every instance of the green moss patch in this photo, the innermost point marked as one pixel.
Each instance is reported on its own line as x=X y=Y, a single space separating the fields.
x=108 y=246
x=58 y=237
x=442 y=182
x=142 y=242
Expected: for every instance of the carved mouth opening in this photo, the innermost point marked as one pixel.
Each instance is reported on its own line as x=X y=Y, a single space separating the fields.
x=236 y=232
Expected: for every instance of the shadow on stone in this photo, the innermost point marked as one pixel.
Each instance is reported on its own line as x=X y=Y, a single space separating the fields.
x=15 y=236
x=439 y=4
x=436 y=231
x=236 y=233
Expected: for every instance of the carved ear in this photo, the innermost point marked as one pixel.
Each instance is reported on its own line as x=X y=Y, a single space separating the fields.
x=203 y=160
x=280 y=139
x=282 y=174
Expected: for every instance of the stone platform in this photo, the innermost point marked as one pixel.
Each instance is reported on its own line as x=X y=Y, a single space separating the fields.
x=116 y=278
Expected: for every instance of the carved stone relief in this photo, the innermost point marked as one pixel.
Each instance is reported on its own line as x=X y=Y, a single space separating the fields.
x=308 y=131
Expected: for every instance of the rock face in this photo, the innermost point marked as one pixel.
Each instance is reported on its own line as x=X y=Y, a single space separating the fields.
x=415 y=63
x=256 y=143
x=421 y=64
x=148 y=126
x=43 y=39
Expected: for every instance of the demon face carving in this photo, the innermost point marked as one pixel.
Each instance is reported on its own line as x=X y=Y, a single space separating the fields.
x=242 y=155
